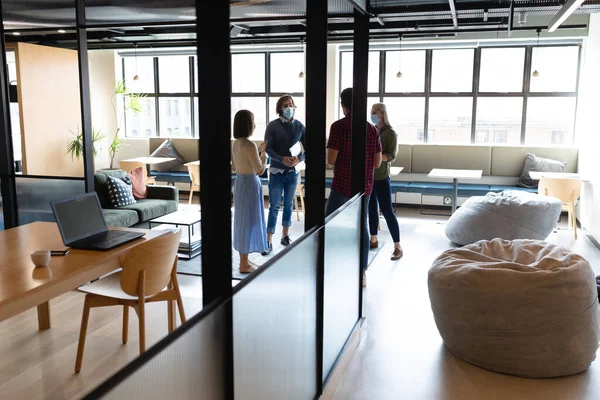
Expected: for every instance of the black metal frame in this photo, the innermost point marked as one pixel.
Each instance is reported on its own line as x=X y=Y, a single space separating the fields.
x=475 y=93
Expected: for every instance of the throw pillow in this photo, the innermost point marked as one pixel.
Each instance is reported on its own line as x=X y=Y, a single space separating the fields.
x=120 y=192
x=167 y=150
x=535 y=163
x=138 y=183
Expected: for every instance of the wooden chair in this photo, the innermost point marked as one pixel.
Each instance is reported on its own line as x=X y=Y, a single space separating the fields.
x=149 y=274
x=194 y=170
x=299 y=192
x=567 y=191
x=129 y=166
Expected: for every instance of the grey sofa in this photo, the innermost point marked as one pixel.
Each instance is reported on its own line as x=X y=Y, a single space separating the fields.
x=161 y=200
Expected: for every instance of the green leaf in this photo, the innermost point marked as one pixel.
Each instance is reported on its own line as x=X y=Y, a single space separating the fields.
x=135 y=103
x=120 y=87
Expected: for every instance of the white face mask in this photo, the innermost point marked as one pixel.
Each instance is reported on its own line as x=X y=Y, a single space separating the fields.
x=288 y=112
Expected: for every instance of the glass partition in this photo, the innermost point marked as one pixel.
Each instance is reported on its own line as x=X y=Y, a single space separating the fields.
x=34 y=196
x=188 y=364
x=341 y=284
x=274 y=327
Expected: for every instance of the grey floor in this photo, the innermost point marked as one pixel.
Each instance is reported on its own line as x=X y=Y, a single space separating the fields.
x=402 y=355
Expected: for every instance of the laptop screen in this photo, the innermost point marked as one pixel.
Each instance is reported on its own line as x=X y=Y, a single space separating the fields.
x=79 y=217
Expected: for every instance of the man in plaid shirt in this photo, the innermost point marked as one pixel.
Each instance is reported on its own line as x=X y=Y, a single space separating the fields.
x=339 y=154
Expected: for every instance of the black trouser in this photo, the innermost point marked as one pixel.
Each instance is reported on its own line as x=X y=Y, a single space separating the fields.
x=382 y=195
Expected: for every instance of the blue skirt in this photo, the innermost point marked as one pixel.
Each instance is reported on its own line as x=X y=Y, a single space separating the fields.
x=249 y=227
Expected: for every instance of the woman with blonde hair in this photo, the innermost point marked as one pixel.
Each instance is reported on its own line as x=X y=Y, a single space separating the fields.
x=249 y=227
x=382 y=189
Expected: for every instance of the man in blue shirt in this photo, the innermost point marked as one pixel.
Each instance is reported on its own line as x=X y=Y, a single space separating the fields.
x=281 y=135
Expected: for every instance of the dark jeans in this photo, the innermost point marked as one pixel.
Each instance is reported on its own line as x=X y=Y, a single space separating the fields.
x=382 y=194
x=335 y=201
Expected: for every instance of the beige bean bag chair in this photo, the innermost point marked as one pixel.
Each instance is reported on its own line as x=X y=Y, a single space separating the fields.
x=522 y=307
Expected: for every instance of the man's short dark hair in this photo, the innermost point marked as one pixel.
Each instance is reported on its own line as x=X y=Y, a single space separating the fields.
x=346 y=98
x=243 y=124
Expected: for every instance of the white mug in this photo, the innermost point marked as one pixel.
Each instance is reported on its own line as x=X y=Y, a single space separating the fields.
x=41 y=258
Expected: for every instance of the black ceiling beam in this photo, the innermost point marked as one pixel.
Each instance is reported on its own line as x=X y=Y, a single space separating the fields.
x=440 y=7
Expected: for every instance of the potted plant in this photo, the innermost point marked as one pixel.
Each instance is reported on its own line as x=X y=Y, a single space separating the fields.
x=75 y=146
x=131 y=102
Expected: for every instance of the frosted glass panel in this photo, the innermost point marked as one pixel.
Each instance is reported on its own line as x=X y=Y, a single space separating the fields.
x=34 y=196
x=274 y=328
x=191 y=367
x=342 y=256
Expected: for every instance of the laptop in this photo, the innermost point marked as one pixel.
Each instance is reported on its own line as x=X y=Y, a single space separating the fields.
x=82 y=225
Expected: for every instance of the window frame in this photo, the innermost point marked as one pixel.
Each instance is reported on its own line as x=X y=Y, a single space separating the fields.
x=475 y=93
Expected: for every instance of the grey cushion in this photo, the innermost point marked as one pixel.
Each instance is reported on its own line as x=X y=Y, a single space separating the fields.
x=512 y=214
x=522 y=307
x=120 y=191
x=541 y=164
x=148 y=209
x=167 y=150
x=101 y=184
x=120 y=218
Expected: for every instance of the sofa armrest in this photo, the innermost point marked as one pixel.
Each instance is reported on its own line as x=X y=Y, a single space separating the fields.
x=163 y=192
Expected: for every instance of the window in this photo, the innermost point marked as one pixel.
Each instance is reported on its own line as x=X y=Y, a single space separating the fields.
x=285 y=68
x=437 y=90
x=407 y=116
x=452 y=70
x=412 y=66
x=141 y=122
x=258 y=107
x=174 y=74
x=502 y=70
x=557 y=67
x=500 y=114
x=451 y=119
x=170 y=117
x=547 y=115
x=482 y=136
x=348 y=69
x=248 y=73
x=143 y=67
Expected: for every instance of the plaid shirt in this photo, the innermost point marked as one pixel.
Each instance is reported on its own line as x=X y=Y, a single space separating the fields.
x=339 y=139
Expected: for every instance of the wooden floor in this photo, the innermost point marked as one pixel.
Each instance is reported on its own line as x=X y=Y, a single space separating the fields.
x=402 y=355
x=39 y=364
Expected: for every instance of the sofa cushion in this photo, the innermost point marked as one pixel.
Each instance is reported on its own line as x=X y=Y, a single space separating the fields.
x=535 y=163
x=101 y=184
x=399 y=186
x=472 y=189
x=138 y=183
x=171 y=176
x=167 y=150
x=148 y=209
x=502 y=188
x=120 y=218
x=120 y=192
x=431 y=188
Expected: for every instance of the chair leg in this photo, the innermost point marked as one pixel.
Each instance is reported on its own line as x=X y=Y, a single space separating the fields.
x=171 y=315
x=296 y=205
x=569 y=217
x=125 y=324
x=142 y=310
x=178 y=293
x=574 y=220
x=302 y=201
x=191 y=196
x=82 y=333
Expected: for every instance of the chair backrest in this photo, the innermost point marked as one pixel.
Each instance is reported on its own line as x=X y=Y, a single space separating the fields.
x=156 y=257
x=194 y=170
x=566 y=190
x=129 y=166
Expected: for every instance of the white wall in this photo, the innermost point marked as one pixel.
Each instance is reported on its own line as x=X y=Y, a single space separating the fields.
x=102 y=83
x=587 y=131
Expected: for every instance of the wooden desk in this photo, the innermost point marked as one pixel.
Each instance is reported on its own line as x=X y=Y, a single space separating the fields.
x=151 y=160
x=558 y=175
x=455 y=174
x=24 y=286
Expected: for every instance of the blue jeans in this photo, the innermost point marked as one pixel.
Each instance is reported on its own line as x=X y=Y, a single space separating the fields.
x=283 y=183
x=335 y=201
x=382 y=194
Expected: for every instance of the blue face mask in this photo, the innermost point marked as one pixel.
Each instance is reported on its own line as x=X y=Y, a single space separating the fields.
x=288 y=112
x=374 y=119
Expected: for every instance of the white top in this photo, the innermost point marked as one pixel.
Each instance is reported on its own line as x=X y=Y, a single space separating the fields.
x=455 y=173
x=151 y=160
x=559 y=175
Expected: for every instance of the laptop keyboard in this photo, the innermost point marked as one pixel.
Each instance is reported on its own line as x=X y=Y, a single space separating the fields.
x=104 y=239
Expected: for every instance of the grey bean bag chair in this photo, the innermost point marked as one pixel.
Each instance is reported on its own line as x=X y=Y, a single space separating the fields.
x=522 y=307
x=511 y=214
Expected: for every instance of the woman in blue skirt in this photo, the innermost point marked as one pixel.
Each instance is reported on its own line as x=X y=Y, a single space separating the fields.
x=249 y=227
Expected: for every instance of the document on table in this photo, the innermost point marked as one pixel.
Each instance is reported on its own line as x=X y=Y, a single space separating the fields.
x=296 y=149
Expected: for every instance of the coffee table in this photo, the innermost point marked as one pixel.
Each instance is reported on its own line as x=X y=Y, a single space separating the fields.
x=191 y=244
